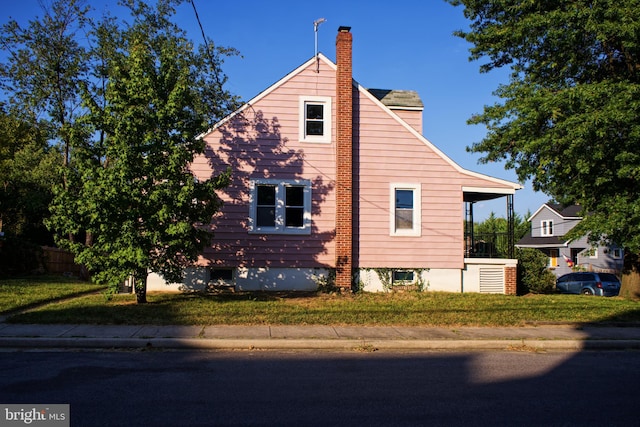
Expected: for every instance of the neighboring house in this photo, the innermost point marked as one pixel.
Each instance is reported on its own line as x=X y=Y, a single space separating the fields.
x=549 y=224
x=332 y=181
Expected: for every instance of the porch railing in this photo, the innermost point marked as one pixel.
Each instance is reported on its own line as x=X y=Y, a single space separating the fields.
x=488 y=245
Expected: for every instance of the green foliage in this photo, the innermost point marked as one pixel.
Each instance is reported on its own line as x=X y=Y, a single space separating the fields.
x=494 y=230
x=533 y=275
x=386 y=277
x=27 y=174
x=326 y=283
x=45 y=67
x=494 y=224
x=128 y=185
x=569 y=118
x=119 y=103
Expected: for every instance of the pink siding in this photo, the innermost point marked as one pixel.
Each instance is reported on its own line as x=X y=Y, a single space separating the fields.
x=405 y=160
x=412 y=117
x=388 y=153
x=263 y=143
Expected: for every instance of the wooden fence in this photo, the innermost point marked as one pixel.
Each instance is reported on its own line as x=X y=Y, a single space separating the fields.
x=60 y=261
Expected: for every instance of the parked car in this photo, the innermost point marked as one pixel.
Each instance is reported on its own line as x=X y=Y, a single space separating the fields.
x=587 y=283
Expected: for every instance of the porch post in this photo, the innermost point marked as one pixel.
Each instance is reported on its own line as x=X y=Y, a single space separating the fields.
x=510 y=227
x=469 y=232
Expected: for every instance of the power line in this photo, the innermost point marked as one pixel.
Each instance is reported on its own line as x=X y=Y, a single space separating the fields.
x=206 y=43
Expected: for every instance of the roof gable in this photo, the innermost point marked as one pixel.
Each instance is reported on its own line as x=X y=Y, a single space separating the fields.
x=510 y=186
x=272 y=88
x=564 y=212
x=407 y=97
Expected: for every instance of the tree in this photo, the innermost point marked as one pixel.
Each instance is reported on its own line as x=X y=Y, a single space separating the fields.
x=45 y=67
x=494 y=230
x=26 y=179
x=494 y=224
x=569 y=117
x=132 y=188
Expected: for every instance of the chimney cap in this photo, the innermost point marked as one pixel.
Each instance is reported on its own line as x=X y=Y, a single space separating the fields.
x=343 y=29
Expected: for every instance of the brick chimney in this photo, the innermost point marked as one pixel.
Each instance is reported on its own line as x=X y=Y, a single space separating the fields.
x=344 y=160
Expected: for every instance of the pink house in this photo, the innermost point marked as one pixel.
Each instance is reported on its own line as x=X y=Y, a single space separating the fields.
x=332 y=181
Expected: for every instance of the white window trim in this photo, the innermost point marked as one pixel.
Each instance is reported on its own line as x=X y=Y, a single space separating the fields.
x=544 y=228
x=616 y=253
x=280 y=185
x=416 y=231
x=302 y=112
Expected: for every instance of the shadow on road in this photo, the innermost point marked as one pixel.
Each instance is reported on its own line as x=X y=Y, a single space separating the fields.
x=305 y=388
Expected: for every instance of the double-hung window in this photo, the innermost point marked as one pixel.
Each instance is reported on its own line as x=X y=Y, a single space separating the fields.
x=280 y=206
x=315 y=119
x=405 y=208
x=546 y=228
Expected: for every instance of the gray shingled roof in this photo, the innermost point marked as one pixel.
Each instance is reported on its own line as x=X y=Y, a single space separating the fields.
x=529 y=241
x=398 y=98
x=571 y=211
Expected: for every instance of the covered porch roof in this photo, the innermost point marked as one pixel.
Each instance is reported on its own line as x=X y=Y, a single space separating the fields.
x=479 y=194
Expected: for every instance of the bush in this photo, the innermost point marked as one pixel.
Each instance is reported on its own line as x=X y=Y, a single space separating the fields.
x=533 y=275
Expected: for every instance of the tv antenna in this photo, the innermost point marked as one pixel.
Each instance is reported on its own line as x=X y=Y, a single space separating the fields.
x=316 y=24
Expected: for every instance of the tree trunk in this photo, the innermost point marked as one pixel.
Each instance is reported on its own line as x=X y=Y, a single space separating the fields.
x=141 y=288
x=631 y=276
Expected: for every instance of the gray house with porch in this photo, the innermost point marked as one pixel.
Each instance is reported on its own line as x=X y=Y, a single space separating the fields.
x=549 y=225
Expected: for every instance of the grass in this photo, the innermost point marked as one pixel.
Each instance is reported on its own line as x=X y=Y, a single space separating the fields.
x=408 y=308
x=21 y=293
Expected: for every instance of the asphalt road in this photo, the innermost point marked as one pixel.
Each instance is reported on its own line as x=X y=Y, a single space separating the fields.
x=309 y=388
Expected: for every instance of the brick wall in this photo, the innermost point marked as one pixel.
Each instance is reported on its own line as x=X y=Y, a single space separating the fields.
x=510 y=280
x=344 y=160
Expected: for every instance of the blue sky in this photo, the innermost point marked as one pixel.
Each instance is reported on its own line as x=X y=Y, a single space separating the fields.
x=401 y=44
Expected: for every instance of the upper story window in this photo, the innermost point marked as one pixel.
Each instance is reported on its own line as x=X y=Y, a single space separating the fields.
x=405 y=208
x=546 y=228
x=315 y=119
x=617 y=253
x=280 y=206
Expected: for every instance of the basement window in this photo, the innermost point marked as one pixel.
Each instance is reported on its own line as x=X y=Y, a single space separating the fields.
x=221 y=274
x=402 y=277
x=315 y=119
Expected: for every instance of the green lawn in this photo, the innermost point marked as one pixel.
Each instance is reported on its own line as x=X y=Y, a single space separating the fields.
x=17 y=294
x=409 y=308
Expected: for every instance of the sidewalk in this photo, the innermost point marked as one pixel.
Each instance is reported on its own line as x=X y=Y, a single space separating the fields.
x=365 y=338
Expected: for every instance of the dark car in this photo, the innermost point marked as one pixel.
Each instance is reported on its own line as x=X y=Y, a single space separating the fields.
x=587 y=283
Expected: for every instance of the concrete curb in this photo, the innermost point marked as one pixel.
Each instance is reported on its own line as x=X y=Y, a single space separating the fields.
x=313 y=344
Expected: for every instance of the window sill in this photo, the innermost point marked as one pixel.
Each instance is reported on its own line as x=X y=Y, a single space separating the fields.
x=291 y=232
